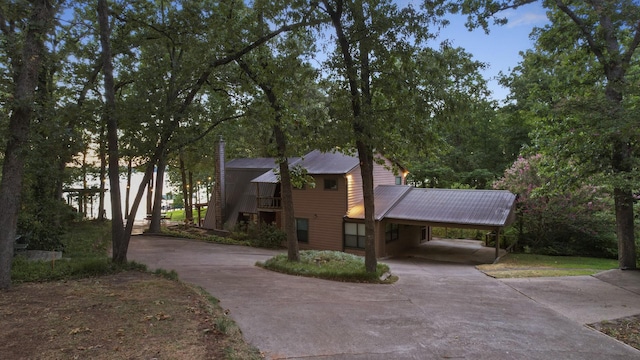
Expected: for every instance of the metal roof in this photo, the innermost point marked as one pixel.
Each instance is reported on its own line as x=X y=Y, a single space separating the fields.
x=251 y=163
x=485 y=208
x=385 y=196
x=316 y=163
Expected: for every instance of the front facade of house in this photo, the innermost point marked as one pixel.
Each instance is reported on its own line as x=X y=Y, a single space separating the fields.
x=330 y=216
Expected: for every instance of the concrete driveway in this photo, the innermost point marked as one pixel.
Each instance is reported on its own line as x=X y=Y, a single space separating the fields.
x=436 y=310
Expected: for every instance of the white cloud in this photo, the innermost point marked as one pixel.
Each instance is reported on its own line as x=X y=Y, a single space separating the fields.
x=525 y=19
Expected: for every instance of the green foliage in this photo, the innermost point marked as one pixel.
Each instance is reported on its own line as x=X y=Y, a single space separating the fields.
x=171 y=275
x=555 y=221
x=331 y=265
x=267 y=236
x=182 y=233
x=85 y=246
x=24 y=270
x=455 y=233
x=44 y=223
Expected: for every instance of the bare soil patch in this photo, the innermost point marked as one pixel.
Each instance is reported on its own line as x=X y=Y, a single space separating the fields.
x=130 y=315
x=625 y=329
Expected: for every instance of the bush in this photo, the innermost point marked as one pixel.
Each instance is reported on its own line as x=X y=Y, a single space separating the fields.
x=267 y=236
x=556 y=221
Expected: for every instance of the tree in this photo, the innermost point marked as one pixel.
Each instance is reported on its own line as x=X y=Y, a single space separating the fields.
x=184 y=88
x=28 y=33
x=610 y=32
x=558 y=221
x=388 y=91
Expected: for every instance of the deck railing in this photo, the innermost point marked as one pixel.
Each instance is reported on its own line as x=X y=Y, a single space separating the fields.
x=269 y=203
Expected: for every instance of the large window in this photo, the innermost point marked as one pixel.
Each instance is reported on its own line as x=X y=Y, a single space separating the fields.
x=391 y=232
x=354 y=235
x=330 y=184
x=302 y=230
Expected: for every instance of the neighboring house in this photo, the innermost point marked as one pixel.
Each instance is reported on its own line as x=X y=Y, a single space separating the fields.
x=330 y=216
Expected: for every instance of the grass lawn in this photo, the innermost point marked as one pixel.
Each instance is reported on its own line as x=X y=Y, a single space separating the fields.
x=178 y=214
x=531 y=265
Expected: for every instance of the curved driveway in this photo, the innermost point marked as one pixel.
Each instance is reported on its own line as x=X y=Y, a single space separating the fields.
x=436 y=310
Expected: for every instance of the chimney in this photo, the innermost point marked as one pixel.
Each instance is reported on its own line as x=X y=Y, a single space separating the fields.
x=218 y=187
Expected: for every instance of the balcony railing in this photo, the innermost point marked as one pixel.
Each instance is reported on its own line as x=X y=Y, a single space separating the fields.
x=269 y=203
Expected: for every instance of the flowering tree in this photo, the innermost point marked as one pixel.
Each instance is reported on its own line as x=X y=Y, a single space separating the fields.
x=556 y=221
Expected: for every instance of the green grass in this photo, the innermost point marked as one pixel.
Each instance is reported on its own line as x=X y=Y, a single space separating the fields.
x=85 y=255
x=178 y=214
x=532 y=265
x=330 y=265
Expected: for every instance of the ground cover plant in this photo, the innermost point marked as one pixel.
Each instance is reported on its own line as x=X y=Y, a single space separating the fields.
x=330 y=265
x=533 y=265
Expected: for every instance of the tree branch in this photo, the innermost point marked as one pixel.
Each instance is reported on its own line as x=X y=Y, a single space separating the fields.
x=206 y=132
x=584 y=29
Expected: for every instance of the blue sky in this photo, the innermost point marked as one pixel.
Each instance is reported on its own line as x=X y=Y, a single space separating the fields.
x=501 y=48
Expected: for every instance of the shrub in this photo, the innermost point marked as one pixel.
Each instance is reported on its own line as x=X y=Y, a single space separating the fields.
x=267 y=236
x=556 y=221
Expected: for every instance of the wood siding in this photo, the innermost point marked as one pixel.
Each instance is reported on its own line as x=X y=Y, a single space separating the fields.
x=354 y=195
x=325 y=210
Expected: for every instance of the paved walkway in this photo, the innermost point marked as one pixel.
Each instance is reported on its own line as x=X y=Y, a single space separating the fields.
x=437 y=310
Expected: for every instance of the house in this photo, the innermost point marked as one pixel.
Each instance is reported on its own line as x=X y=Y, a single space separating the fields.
x=330 y=215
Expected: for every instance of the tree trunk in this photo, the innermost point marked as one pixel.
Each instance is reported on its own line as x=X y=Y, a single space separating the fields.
x=117 y=225
x=155 y=225
x=188 y=210
x=103 y=176
x=19 y=123
x=128 y=190
x=286 y=191
x=185 y=186
x=621 y=162
x=365 y=154
x=286 y=188
x=360 y=98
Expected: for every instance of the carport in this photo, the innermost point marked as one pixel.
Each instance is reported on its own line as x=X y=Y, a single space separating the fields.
x=489 y=210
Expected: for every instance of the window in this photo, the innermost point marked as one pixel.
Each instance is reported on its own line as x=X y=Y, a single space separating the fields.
x=330 y=184
x=302 y=230
x=354 y=235
x=391 y=232
x=398 y=180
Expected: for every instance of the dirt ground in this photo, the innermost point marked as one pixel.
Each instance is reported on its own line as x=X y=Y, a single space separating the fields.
x=131 y=315
x=626 y=330
x=136 y=315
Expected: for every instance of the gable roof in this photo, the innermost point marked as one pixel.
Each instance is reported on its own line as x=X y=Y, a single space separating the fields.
x=484 y=208
x=316 y=163
x=251 y=163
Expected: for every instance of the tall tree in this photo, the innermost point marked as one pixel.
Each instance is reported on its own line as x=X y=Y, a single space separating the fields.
x=119 y=247
x=610 y=31
x=28 y=33
x=387 y=89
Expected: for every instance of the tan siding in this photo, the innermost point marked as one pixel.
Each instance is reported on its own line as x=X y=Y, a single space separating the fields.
x=355 y=187
x=383 y=175
x=325 y=210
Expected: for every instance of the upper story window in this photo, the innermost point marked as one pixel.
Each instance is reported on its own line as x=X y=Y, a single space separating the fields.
x=330 y=184
x=398 y=180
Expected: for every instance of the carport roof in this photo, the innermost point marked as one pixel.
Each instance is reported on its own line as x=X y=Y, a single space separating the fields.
x=484 y=208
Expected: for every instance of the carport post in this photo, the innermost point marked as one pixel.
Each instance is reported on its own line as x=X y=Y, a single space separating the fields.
x=497 y=243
